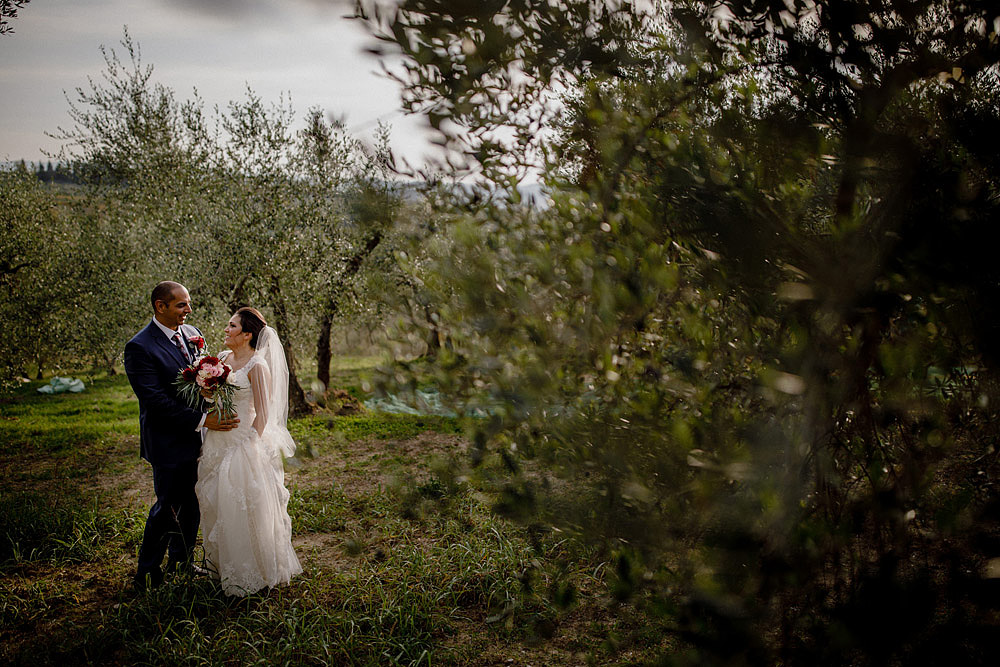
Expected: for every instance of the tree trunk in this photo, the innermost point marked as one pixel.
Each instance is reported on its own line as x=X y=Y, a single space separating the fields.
x=298 y=406
x=324 y=354
x=109 y=362
x=237 y=298
x=433 y=336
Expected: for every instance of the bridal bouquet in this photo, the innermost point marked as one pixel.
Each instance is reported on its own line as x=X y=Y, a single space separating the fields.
x=208 y=374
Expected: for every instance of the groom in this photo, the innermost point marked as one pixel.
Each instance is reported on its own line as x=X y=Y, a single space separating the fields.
x=169 y=432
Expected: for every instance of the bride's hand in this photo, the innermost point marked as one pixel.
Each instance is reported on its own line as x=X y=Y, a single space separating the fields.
x=214 y=423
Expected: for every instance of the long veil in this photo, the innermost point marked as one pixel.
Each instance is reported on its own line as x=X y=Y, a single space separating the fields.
x=269 y=349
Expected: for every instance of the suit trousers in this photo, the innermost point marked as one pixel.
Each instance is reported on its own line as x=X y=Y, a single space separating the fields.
x=172 y=525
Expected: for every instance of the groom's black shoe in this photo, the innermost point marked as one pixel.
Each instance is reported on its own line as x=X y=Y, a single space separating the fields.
x=144 y=581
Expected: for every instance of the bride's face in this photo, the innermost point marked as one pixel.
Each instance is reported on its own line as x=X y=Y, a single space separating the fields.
x=235 y=336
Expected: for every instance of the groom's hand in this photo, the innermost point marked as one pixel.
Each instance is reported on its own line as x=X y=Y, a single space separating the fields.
x=214 y=423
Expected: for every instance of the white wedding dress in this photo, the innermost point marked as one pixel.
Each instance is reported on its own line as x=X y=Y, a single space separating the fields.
x=246 y=530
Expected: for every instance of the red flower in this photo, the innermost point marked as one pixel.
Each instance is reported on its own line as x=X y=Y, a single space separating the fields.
x=189 y=374
x=198 y=341
x=208 y=361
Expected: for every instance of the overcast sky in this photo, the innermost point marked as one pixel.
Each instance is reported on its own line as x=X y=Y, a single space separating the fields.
x=303 y=48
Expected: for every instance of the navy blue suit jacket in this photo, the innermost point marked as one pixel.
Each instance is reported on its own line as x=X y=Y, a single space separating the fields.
x=168 y=428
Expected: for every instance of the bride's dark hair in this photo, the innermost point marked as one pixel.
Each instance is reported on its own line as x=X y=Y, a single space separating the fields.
x=252 y=322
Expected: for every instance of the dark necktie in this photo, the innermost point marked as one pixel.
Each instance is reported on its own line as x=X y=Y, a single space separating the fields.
x=180 y=345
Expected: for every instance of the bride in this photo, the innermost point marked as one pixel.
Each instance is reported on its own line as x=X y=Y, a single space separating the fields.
x=246 y=531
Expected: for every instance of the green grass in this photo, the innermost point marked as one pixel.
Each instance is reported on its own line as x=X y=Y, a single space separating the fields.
x=60 y=528
x=318 y=510
x=321 y=621
x=402 y=567
x=57 y=423
x=319 y=429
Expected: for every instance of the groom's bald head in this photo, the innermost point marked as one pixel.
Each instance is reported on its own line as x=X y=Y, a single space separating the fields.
x=164 y=292
x=171 y=304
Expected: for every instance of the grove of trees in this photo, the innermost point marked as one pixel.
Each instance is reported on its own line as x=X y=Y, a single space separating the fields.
x=235 y=204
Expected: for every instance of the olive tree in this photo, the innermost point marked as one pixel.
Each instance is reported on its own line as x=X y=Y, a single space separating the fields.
x=35 y=244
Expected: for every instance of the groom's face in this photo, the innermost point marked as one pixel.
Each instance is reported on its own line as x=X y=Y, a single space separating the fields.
x=172 y=313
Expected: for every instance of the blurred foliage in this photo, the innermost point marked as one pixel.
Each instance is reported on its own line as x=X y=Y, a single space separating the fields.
x=749 y=347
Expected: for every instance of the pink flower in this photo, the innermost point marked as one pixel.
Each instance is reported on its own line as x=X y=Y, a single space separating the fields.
x=207 y=361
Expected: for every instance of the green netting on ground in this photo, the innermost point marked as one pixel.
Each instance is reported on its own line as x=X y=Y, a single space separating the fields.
x=58 y=385
x=417 y=403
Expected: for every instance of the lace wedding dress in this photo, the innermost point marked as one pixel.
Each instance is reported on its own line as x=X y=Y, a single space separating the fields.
x=246 y=530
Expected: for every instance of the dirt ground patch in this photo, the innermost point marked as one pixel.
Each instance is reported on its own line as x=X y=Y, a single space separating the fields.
x=363 y=466
x=325 y=551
